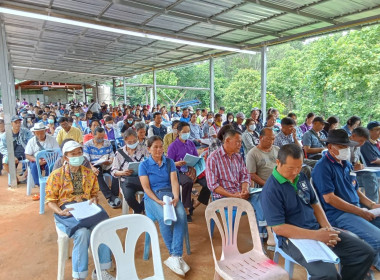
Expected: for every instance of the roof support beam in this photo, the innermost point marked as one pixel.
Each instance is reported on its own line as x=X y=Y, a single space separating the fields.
x=212 y=97
x=8 y=94
x=264 y=82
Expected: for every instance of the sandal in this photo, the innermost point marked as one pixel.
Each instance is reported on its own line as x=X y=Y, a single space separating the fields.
x=36 y=197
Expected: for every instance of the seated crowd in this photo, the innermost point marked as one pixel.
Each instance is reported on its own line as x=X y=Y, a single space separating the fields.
x=274 y=165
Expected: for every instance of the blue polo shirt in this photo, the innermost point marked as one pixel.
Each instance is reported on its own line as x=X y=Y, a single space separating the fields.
x=183 y=119
x=329 y=176
x=284 y=202
x=370 y=153
x=158 y=175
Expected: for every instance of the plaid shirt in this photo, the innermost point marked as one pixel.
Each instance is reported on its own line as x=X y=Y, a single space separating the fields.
x=227 y=172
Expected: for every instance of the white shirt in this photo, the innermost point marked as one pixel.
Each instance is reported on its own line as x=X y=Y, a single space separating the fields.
x=32 y=148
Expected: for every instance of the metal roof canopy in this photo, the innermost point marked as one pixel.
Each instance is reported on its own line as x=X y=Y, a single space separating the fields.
x=41 y=49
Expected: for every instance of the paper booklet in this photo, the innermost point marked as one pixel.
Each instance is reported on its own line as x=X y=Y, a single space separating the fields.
x=314 y=250
x=255 y=190
x=135 y=167
x=369 y=169
x=169 y=211
x=197 y=162
x=101 y=160
x=206 y=141
x=83 y=210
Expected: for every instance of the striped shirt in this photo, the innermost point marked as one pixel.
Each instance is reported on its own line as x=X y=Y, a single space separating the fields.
x=226 y=172
x=93 y=154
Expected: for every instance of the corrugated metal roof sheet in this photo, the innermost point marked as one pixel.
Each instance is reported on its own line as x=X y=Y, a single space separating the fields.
x=47 y=48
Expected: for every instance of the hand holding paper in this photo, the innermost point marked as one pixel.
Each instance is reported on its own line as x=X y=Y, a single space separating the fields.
x=169 y=211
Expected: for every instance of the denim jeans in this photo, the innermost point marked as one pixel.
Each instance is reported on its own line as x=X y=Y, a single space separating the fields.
x=80 y=252
x=254 y=199
x=34 y=171
x=369 y=181
x=368 y=231
x=172 y=235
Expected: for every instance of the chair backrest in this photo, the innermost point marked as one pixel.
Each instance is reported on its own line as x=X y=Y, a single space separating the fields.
x=50 y=156
x=229 y=229
x=315 y=192
x=105 y=233
x=119 y=142
x=362 y=159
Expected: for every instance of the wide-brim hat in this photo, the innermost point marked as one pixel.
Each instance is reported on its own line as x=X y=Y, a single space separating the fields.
x=340 y=137
x=38 y=127
x=70 y=146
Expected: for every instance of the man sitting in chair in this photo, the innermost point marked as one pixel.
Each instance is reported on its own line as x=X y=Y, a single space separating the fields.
x=291 y=207
x=227 y=175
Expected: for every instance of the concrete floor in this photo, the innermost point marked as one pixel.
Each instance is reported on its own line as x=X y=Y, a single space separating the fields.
x=29 y=249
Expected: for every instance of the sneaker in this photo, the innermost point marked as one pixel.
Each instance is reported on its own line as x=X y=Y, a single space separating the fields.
x=175 y=265
x=185 y=267
x=105 y=275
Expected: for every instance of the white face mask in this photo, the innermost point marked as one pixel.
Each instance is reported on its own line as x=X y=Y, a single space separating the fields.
x=344 y=154
x=108 y=125
x=230 y=120
x=210 y=120
x=252 y=127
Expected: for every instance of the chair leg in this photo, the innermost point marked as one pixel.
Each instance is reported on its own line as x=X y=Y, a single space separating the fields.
x=187 y=239
x=62 y=256
x=146 y=247
x=276 y=256
x=29 y=182
x=289 y=267
x=42 y=198
x=270 y=241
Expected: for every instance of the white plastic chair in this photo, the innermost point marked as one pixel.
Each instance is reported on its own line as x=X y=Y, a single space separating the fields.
x=29 y=178
x=232 y=264
x=63 y=252
x=105 y=233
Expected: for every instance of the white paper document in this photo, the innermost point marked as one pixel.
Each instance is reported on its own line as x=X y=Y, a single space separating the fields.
x=101 y=160
x=169 y=211
x=369 y=169
x=83 y=210
x=375 y=211
x=206 y=141
x=254 y=190
x=313 y=250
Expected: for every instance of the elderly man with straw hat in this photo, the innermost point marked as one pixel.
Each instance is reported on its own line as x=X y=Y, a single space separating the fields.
x=41 y=141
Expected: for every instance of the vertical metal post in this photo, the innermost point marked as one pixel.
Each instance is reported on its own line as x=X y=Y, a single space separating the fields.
x=96 y=96
x=19 y=93
x=125 y=91
x=155 y=87
x=84 y=93
x=114 y=91
x=212 y=94
x=264 y=82
x=7 y=90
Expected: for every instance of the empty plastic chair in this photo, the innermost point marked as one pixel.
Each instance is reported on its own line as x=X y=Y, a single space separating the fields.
x=50 y=157
x=63 y=252
x=105 y=233
x=232 y=264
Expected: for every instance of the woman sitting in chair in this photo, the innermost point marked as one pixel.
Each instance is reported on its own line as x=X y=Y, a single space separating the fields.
x=74 y=183
x=158 y=177
x=130 y=183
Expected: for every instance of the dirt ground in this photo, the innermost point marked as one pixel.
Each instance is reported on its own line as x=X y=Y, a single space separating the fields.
x=29 y=248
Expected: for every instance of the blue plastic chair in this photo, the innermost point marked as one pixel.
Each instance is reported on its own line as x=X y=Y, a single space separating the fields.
x=147 y=240
x=50 y=156
x=119 y=142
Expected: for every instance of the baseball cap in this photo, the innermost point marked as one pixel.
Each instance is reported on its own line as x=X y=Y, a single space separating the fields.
x=16 y=118
x=70 y=146
x=373 y=124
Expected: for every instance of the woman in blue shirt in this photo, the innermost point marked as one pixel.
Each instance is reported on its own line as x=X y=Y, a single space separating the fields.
x=158 y=177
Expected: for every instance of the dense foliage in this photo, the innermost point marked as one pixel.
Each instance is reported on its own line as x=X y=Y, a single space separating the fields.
x=337 y=74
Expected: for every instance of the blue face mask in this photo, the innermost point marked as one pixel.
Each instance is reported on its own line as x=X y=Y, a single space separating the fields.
x=76 y=161
x=133 y=146
x=50 y=121
x=130 y=122
x=185 y=136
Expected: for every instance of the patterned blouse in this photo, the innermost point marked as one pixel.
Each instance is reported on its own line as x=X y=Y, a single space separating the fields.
x=61 y=187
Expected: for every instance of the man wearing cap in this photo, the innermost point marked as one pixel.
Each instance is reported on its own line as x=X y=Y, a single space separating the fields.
x=75 y=183
x=256 y=116
x=371 y=148
x=238 y=125
x=21 y=137
x=345 y=205
x=41 y=141
x=311 y=140
x=68 y=131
